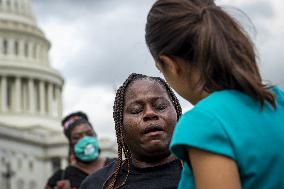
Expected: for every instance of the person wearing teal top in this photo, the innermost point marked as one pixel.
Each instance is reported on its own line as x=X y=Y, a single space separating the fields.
x=231 y=124
x=234 y=136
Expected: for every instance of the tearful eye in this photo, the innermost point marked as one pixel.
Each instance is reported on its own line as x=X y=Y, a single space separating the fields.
x=75 y=139
x=161 y=106
x=90 y=133
x=135 y=110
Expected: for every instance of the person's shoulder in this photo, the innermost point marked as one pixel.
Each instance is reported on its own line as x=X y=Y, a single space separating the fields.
x=103 y=172
x=279 y=93
x=98 y=178
x=57 y=173
x=224 y=102
x=109 y=160
x=71 y=169
x=56 y=176
x=223 y=97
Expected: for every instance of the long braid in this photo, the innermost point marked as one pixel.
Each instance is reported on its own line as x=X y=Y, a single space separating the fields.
x=118 y=120
x=118 y=109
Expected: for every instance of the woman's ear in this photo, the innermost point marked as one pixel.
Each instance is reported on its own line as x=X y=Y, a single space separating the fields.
x=169 y=64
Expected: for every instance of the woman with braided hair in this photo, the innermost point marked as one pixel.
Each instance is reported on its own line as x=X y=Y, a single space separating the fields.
x=145 y=113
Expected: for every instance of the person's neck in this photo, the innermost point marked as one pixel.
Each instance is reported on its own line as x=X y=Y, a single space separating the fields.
x=91 y=167
x=197 y=97
x=145 y=164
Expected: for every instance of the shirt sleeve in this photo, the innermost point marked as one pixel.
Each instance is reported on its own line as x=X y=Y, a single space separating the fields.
x=202 y=130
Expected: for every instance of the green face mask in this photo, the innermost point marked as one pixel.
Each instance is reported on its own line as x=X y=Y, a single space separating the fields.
x=87 y=149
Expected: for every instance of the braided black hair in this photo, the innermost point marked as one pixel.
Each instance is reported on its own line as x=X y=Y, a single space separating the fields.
x=118 y=108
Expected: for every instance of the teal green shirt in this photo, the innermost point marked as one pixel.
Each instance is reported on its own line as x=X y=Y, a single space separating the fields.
x=232 y=124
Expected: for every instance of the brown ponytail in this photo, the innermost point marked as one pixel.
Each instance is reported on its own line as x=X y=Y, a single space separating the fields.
x=204 y=35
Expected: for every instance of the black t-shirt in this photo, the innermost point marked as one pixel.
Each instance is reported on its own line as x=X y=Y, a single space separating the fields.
x=71 y=173
x=164 y=176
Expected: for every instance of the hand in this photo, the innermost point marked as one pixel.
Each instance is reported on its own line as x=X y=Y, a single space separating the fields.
x=63 y=184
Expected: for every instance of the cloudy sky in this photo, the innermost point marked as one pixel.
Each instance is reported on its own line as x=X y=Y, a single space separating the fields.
x=96 y=44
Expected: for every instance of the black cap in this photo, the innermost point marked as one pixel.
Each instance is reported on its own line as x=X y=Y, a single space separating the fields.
x=72 y=120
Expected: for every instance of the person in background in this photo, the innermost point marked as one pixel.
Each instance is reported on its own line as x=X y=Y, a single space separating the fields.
x=53 y=181
x=145 y=113
x=234 y=136
x=84 y=153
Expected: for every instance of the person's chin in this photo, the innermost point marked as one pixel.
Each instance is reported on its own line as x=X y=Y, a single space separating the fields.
x=158 y=154
x=85 y=162
x=157 y=147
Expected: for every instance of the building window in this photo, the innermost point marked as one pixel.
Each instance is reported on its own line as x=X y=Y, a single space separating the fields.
x=32 y=185
x=5 y=47
x=55 y=163
x=20 y=163
x=31 y=165
x=34 y=51
x=54 y=93
x=46 y=97
x=16 y=48
x=20 y=184
x=16 y=6
x=10 y=93
x=3 y=161
x=26 y=49
x=37 y=94
x=8 y=5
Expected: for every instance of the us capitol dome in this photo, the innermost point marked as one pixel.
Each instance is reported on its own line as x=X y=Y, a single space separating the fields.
x=32 y=145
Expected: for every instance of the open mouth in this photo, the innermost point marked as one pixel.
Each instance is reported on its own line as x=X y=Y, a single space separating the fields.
x=153 y=128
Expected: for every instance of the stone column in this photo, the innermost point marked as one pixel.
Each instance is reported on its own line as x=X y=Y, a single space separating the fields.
x=64 y=162
x=42 y=97
x=30 y=50
x=26 y=50
x=35 y=51
x=21 y=48
x=42 y=54
x=12 y=5
x=4 y=5
x=59 y=101
x=38 y=56
x=60 y=104
x=31 y=89
x=4 y=94
x=18 y=94
x=50 y=98
x=11 y=47
x=16 y=6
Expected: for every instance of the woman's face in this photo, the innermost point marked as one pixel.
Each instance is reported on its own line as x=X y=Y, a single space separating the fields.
x=149 y=119
x=80 y=131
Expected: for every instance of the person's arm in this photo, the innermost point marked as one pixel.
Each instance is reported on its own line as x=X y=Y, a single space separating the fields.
x=212 y=171
x=63 y=184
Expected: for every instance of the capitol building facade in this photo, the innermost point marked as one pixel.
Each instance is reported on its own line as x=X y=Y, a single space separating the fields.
x=32 y=145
